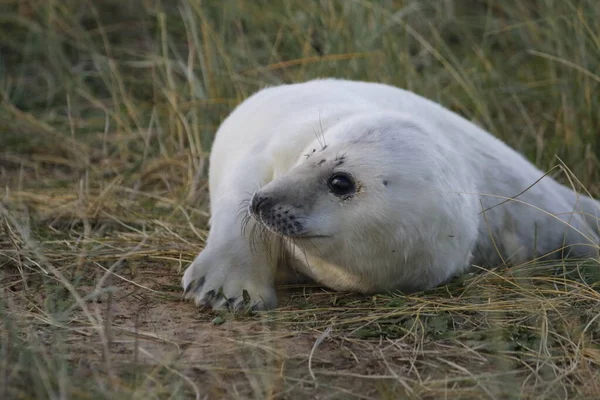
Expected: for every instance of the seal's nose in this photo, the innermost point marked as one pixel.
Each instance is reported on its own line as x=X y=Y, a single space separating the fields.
x=259 y=203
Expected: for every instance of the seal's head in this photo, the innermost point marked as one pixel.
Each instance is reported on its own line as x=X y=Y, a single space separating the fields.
x=376 y=200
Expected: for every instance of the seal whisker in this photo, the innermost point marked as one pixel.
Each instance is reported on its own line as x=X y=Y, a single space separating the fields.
x=324 y=145
x=320 y=135
x=307 y=263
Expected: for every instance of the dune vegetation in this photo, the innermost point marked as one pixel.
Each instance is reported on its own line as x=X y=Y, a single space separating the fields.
x=107 y=112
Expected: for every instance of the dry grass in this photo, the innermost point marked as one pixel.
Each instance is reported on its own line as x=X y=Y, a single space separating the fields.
x=107 y=113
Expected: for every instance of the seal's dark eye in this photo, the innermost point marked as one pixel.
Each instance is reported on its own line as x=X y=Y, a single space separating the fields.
x=341 y=184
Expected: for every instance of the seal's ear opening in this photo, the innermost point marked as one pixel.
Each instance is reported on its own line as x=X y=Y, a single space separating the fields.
x=341 y=184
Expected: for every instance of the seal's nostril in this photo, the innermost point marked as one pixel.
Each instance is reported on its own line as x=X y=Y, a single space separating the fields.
x=256 y=200
x=259 y=203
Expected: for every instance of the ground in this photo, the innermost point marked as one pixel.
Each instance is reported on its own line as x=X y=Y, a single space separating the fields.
x=106 y=117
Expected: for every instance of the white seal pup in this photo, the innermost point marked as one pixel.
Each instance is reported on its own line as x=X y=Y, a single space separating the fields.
x=370 y=188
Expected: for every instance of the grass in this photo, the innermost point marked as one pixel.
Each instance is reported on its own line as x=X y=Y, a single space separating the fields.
x=106 y=118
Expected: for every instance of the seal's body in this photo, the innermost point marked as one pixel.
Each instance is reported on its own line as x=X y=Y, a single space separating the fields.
x=366 y=187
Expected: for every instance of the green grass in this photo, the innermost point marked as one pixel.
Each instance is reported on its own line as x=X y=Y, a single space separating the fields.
x=107 y=114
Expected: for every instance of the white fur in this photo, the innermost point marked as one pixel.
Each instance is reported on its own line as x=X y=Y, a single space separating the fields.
x=425 y=175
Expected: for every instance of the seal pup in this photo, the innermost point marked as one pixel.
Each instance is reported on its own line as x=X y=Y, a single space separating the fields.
x=370 y=188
